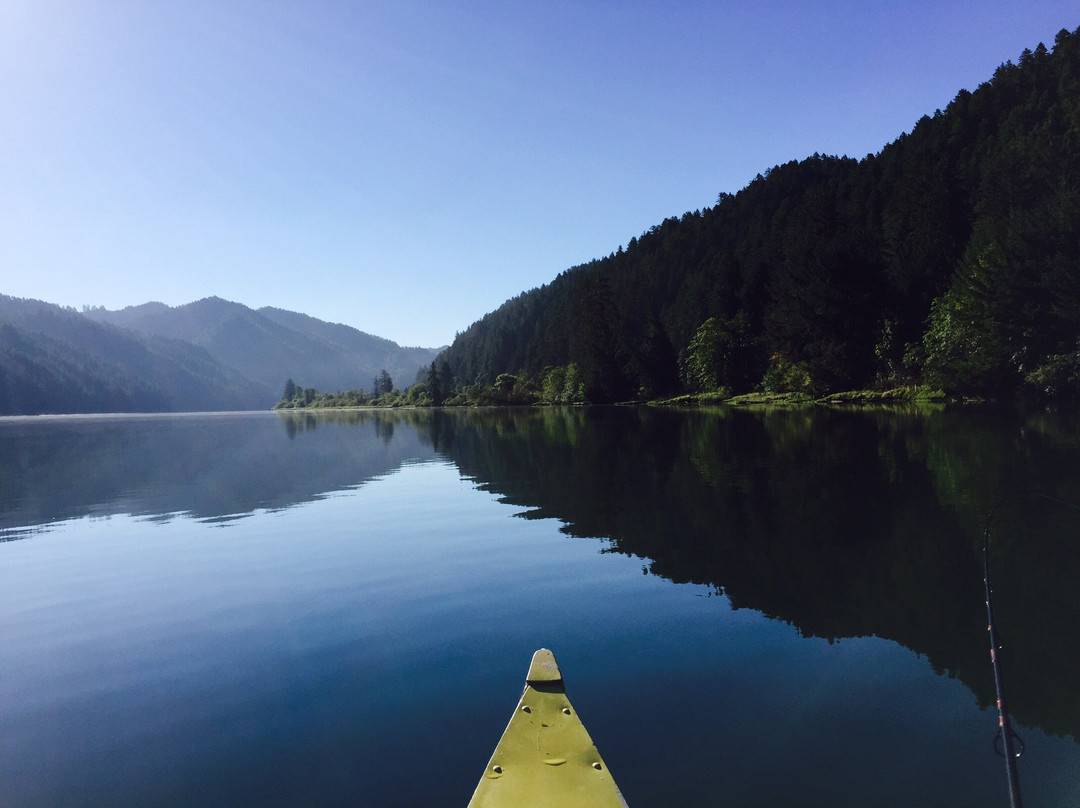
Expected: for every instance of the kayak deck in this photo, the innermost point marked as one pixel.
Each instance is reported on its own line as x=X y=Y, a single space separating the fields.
x=545 y=756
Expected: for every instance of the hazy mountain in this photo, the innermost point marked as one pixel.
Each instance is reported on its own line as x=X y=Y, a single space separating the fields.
x=401 y=362
x=271 y=345
x=55 y=360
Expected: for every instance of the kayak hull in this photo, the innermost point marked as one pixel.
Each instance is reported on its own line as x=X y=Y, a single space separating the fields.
x=545 y=756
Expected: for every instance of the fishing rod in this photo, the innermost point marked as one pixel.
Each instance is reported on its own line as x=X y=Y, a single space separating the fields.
x=1011 y=743
x=1013 y=746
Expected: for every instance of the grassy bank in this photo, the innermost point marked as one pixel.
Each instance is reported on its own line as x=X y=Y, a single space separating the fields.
x=899 y=395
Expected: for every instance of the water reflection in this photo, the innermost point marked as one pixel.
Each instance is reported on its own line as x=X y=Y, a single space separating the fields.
x=211 y=467
x=841 y=523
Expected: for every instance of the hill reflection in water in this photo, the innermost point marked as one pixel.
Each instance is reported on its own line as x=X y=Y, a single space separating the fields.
x=207 y=466
x=841 y=523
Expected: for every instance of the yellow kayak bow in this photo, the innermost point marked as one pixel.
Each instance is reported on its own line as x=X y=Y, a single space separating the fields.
x=545 y=758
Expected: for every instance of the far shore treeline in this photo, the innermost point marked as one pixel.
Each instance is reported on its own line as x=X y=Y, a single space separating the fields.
x=948 y=262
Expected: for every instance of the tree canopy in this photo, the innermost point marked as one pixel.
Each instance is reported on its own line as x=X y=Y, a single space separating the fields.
x=951 y=257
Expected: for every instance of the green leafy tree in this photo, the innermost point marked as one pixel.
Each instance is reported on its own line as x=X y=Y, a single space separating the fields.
x=552 y=384
x=562 y=385
x=1058 y=376
x=574 y=386
x=966 y=349
x=785 y=376
x=722 y=354
x=702 y=362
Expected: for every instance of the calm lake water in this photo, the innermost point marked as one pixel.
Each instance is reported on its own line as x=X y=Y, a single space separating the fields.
x=750 y=609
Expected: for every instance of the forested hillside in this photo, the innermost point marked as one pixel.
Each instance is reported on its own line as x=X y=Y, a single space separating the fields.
x=209 y=355
x=271 y=345
x=55 y=360
x=950 y=258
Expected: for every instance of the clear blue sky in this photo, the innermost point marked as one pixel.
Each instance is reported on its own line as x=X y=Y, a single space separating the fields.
x=405 y=166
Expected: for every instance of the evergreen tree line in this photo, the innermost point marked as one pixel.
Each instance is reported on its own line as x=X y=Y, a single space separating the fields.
x=951 y=258
x=433 y=387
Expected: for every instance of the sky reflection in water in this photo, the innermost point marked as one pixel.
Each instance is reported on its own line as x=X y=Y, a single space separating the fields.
x=365 y=643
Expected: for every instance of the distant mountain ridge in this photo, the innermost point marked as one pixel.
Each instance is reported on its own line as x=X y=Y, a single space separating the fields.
x=271 y=345
x=56 y=360
x=212 y=355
